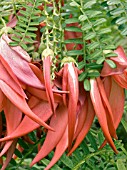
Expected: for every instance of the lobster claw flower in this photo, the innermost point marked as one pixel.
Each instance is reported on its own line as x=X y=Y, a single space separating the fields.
x=47 y=55
x=116 y=101
x=116 y=81
x=70 y=83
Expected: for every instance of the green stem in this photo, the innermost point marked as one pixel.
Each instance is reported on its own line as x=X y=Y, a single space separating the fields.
x=46 y=29
x=24 y=35
x=3 y=21
x=14 y=8
x=92 y=30
x=54 y=30
x=61 y=38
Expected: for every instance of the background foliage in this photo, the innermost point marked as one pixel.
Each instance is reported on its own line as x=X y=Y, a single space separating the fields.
x=104 y=23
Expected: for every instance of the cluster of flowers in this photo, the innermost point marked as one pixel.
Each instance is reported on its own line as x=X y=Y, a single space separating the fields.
x=30 y=99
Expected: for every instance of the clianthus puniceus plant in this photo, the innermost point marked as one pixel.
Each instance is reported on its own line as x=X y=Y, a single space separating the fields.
x=57 y=73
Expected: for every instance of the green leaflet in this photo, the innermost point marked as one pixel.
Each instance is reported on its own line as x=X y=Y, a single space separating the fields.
x=86 y=27
x=67 y=161
x=90 y=36
x=100 y=60
x=113 y=2
x=82 y=76
x=87 y=85
x=121 y=20
x=93 y=73
x=93 y=45
x=124 y=32
x=73 y=3
x=89 y=4
x=81 y=65
x=75 y=52
x=99 y=21
x=97 y=53
x=117 y=11
x=76 y=41
x=82 y=17
x=71 y=20
x=120 y=165
x=73 y=29
x=111 y=63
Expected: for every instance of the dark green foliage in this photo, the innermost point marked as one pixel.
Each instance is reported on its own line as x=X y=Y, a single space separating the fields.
x=27 y=23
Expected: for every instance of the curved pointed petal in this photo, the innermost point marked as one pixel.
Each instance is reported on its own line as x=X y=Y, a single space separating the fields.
x=42 y=94
x=86 y=127
x=6 y=147
x=108 y=109
x=107 y=85
x=37 y=72
x=42 y=110
x=116 y=101
x=47 y=81
x=59 y=123
x=81 y=118
x=60 y=149
x=121 y=80
x=13 y=117
x=73 y=101
x=9 y=154
x=10 y=79
x=21 y=104
x=100 y=112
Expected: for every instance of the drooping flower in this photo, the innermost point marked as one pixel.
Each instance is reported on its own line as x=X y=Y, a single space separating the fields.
x=115 y=80
x=69 y=75
x=47 y=56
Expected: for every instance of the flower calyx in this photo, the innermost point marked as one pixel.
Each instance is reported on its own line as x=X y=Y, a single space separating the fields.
x=47 y=52
x=68 y=60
